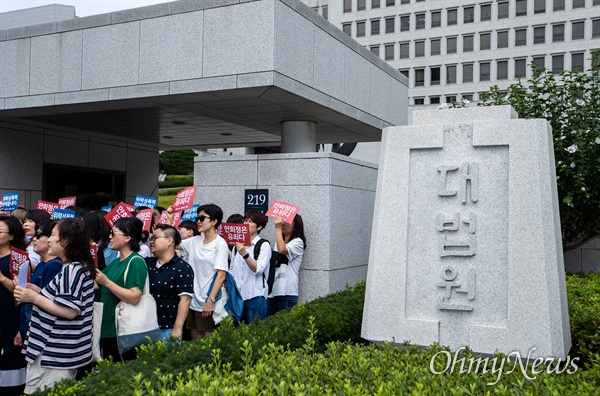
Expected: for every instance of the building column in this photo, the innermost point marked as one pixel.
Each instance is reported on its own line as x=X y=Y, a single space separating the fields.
x=298 y=137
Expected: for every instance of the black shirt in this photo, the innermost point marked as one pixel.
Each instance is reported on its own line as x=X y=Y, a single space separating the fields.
x=167 y=282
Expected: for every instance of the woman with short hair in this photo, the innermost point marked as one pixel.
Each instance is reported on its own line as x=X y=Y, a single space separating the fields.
x=125 y=237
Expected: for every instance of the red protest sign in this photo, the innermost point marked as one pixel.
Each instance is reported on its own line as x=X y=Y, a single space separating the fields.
x=235 y=232
x=121 y=210
x=177 y=219
x=66 y=202
x=146 y=217
x=184 y=199
x=94 y=253
x=286 y=211
x=163 y=218
x=130 y=208
x=47 y=206
x=17 y=258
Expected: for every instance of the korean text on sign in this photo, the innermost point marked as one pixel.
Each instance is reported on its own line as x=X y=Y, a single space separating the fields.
x=234 y=232
x=66 y=202
x=121 y=210
x=47 y=206
x=10 y=201
x=286 y=211
x=184 y=199
x=144 y=200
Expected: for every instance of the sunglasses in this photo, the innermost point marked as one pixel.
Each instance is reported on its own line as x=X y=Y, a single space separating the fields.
x=201 y=218
x=155 y=237
x=40 y=234
x=112 y=233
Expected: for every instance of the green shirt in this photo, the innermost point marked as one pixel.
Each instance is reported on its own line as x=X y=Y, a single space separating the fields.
x=136 y=276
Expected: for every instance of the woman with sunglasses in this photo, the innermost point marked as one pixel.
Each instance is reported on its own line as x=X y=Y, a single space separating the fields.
x=49 y=266
x=125 y=238
x=12 y=361
x=207 y=254
x=171 y=282
x=59 y=339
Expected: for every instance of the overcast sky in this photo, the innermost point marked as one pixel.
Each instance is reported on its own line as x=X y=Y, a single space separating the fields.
x=82 y=7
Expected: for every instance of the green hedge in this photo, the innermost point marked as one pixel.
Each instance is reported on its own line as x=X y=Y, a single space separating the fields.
x=177 y=181
x=273 y=356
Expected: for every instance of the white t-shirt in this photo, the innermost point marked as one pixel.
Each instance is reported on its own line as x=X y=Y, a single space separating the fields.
x=250 y=283
x=205 y=260
x=286 y=276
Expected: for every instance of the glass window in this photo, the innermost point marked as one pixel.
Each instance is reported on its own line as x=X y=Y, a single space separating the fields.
x=375 y=50
x=434 y=100
x=486 y=12
x=419 y=77
x=468 y=73
x=558 y=5
x=596 y=28
x=404 y=50
x=436 y=19
x=539 y=62
x=419 y=101
x=577 y=62
x=360 y=29
x=539 y=6
x=452 y=17
x=405 y=23
x=484 y=71
x=451 y=45
x=450 y=99
x=451 y=74
x=347 y=28
x=361 y=5
x=503 y=10
x=435 y=47
x=539 y=35
x=485 y=41
x=558 y=64
x=578 y=3
x=577 y=30
x=389 y=52
x=390 y=3
x=502 y=70
x=435 y=75
x=468 y=97
x=404 y=1
x=390 y=25
x=375 y=27
x=558 y=33
x=503 y=39
x=521 y=7
x=325 y=11
x=347 y=5
x=419 y=48
x=468 y=43
x=404 y=72
x=596 y=2
x=374 y=4
x=520 y=37
x=469 y=15
x=420 y=19
x=520 y=67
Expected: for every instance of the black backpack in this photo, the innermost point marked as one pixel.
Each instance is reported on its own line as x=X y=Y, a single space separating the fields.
x=276 y=260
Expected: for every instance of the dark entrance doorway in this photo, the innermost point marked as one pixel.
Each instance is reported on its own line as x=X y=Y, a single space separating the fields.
x=95 y=187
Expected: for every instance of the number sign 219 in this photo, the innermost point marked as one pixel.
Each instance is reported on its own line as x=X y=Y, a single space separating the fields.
x=257 y=199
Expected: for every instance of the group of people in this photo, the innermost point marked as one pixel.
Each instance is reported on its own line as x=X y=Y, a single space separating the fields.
x=46 y=330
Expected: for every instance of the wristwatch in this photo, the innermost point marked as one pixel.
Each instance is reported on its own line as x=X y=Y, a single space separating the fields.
x=245 y=256
x=212 y=299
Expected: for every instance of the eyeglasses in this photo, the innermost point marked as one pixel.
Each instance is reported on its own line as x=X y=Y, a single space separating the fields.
x=201 y=218
x=154 y=237
x=112 y=233
x=40 y=234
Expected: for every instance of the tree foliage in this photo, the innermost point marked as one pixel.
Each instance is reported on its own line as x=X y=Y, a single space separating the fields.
x=177 y=162
x=571 y=104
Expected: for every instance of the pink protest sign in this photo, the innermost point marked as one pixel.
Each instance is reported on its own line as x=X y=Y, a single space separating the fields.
x=17 y=258
x=146 y=217
x=163 y=218
x=121 y=210
x=286 y=211
x=177 y=219
x=66 y=202
x=47 y=206
x=184 y=199
x=94 y=253
x=235 y=232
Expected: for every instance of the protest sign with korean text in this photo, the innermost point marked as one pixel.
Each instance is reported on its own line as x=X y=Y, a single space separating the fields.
x=62 y=214
x=66 y=202
x=190 y=214
x=145 y=200
x=286 y=211
x=47 y=206
x=120 y=210
x=235 y=232
x=94 y=254
x=10 y=201
x=19 y=266
x=184 y=199
x=146 y=217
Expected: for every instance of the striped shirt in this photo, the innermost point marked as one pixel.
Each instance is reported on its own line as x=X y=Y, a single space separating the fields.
x=63 y=343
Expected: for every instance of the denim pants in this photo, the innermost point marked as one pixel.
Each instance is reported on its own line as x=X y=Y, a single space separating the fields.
x=279 y=303
x=254 y=306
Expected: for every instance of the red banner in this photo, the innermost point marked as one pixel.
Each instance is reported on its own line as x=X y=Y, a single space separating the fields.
x=94 y=253
x=47 y=206
x=146 y=216
x=121 y=210
x=17 y=258
x=65 y=202
x=184 y=199
x=286 y=211
x=235 y=232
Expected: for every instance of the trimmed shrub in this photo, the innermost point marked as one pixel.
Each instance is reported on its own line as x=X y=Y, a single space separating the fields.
x=177 y=181
x=583 y=293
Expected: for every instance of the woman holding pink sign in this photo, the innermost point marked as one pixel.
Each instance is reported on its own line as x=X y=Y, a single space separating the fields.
x=288 y=253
